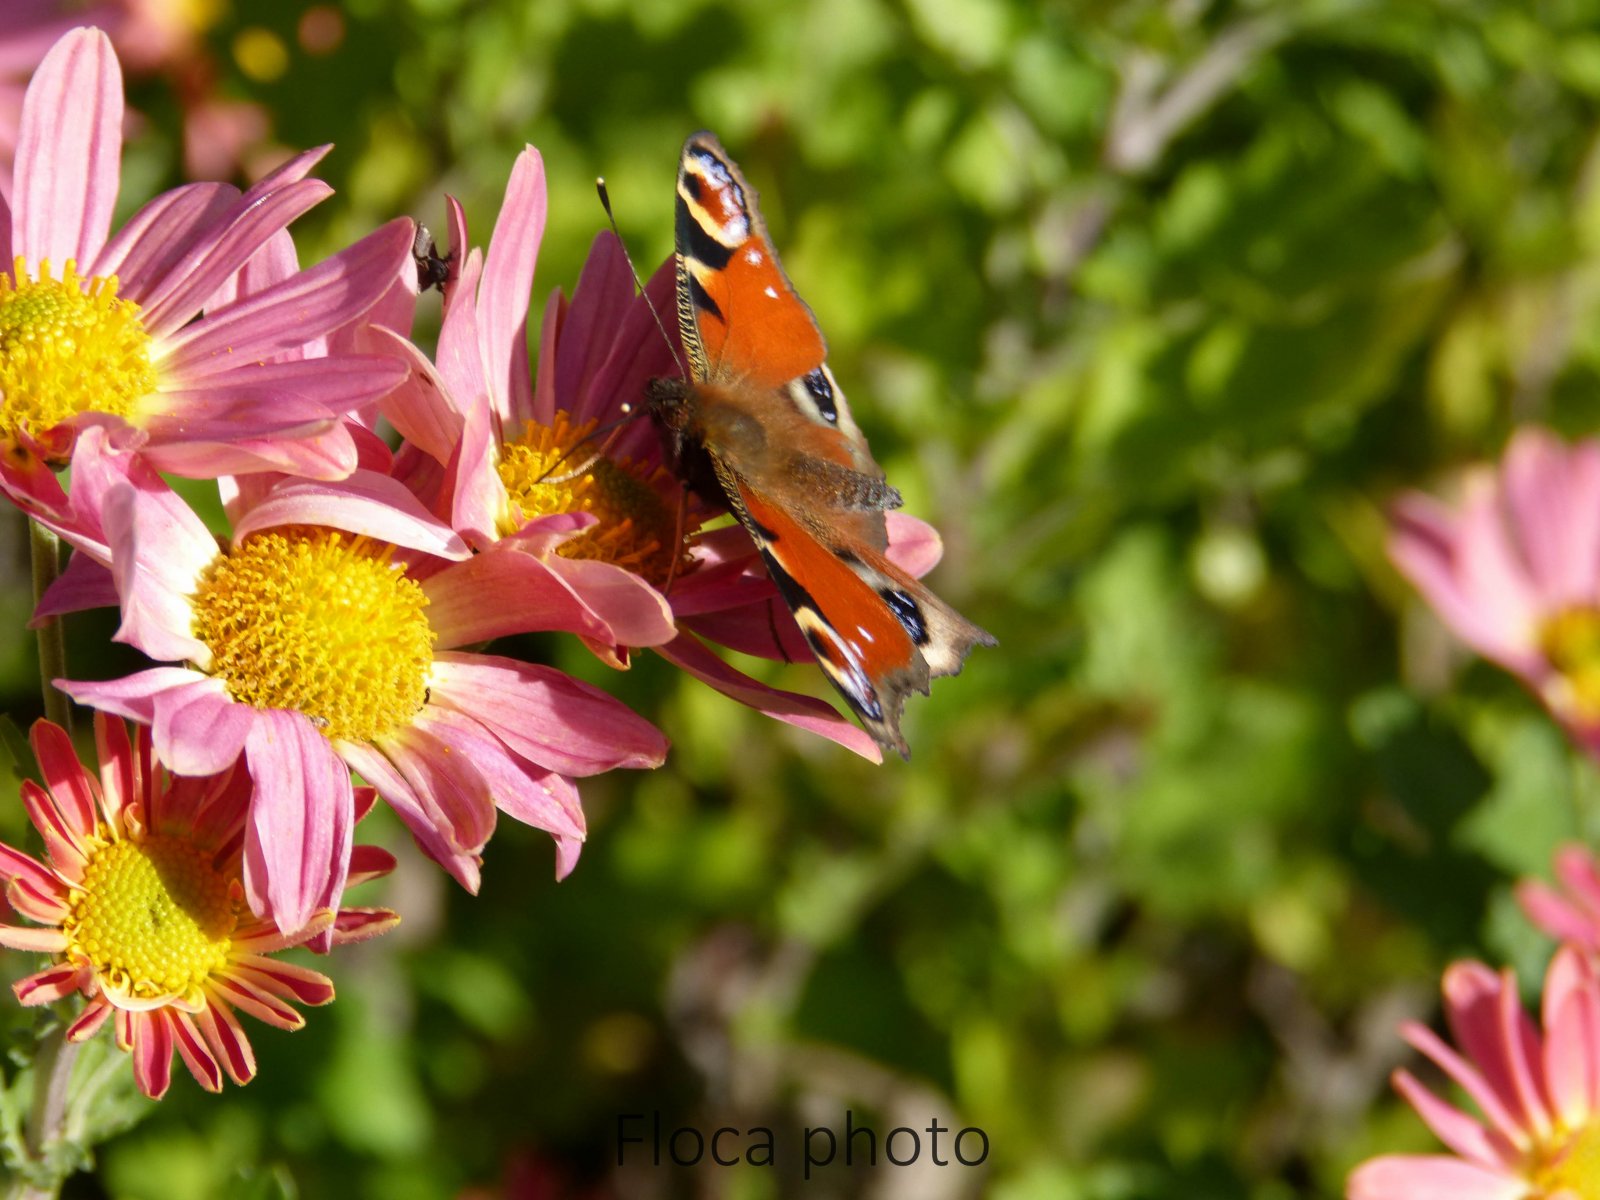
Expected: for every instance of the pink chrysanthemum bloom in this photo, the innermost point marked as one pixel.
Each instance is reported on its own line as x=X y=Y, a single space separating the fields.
x=1514 y=571
x=148 y=332
x=322 y=639
x=141 y=907
x=553 y=466
x=1571 y=914
x=1539 y=1094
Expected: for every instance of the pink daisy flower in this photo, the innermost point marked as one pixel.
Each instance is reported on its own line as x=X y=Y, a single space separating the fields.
x=1514 y=570
x=534 y=466
x=140 y=906
x=1572 y=912
x=1538 y=1094
x=148 y=332
x=322 y=639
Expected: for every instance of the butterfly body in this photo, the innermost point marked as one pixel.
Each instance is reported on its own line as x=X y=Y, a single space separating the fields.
x=762 y=427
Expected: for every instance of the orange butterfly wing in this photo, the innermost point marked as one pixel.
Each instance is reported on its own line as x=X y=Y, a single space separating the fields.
x=790 y=461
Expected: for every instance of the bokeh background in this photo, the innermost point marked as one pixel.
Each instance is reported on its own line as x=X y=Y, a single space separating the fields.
x=1151 y=308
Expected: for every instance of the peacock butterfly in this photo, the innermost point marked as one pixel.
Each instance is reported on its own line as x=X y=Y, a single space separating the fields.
x=762 y=427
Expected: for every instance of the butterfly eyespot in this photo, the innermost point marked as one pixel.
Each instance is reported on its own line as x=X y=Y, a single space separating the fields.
x=908 y=612
x=820 y=389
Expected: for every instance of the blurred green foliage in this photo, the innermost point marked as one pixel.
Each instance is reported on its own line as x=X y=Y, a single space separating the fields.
x=1151 y=308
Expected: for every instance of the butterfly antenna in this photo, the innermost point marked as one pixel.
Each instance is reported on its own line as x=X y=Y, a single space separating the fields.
x=612 y=431
x=672 y=345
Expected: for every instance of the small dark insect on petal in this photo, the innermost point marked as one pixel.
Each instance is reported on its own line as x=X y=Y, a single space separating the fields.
x=433 y=269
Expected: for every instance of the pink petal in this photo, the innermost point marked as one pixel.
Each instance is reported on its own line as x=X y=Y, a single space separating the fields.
x=334 y=385
x=63 y=844
x=418 y=407
x=558 y=722
x=914 y=545
x=69 y=151
x=1579 y=874
x=528 y=793
x=638 y=353
x=803 y=712
x=250 y=222
x=285 y=980
x=196 y=1055
x=45 y=902
x=15 y=865
x=198 y=729
x=75 y=792
x=85 y=584
x=1552 y=496
x=363 y=924
x=767 y=630
x=448 y=784
x=1426 y=545
x=1551 y=912
x=301 y=820
x=275 y=261
x=369 y=862
x=427 y=825
x=365 y=503
x=152 y=1052
x=54 y=983
x=158 y=551
x=1430 y=1177
x=227 y=1041
x=507 y=278
x=1454 y=1128
x=505 y=590
x=33 y=939
x=89 y=1021
x=285 y=316
x=317 y=449
x=459 y=356
x=132 y=696
x=119 y=781
x=194 y=1052
x=603 y=295
x=479 y=501
x=160 y=234
x=261 y=1005
x=1571 y=1057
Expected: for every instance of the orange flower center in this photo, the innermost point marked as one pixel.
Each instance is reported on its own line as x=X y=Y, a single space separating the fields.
x=555 y=469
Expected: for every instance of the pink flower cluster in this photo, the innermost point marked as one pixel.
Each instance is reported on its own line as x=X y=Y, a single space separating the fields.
x=335 y=629
x=1514 y=571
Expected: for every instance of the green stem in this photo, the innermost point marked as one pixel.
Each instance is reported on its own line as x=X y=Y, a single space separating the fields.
x=51 y=635
x=52 y=1075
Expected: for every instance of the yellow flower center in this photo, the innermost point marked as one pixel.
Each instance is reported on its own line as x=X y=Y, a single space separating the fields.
x=1571 y=641
x=318 y=621
x=68 y=346
x=1574 y=1169
x=636 y=531
x=154 y=917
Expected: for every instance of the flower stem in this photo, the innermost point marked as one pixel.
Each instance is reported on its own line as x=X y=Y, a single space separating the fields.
x=52 y=1073
x=51 y=635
